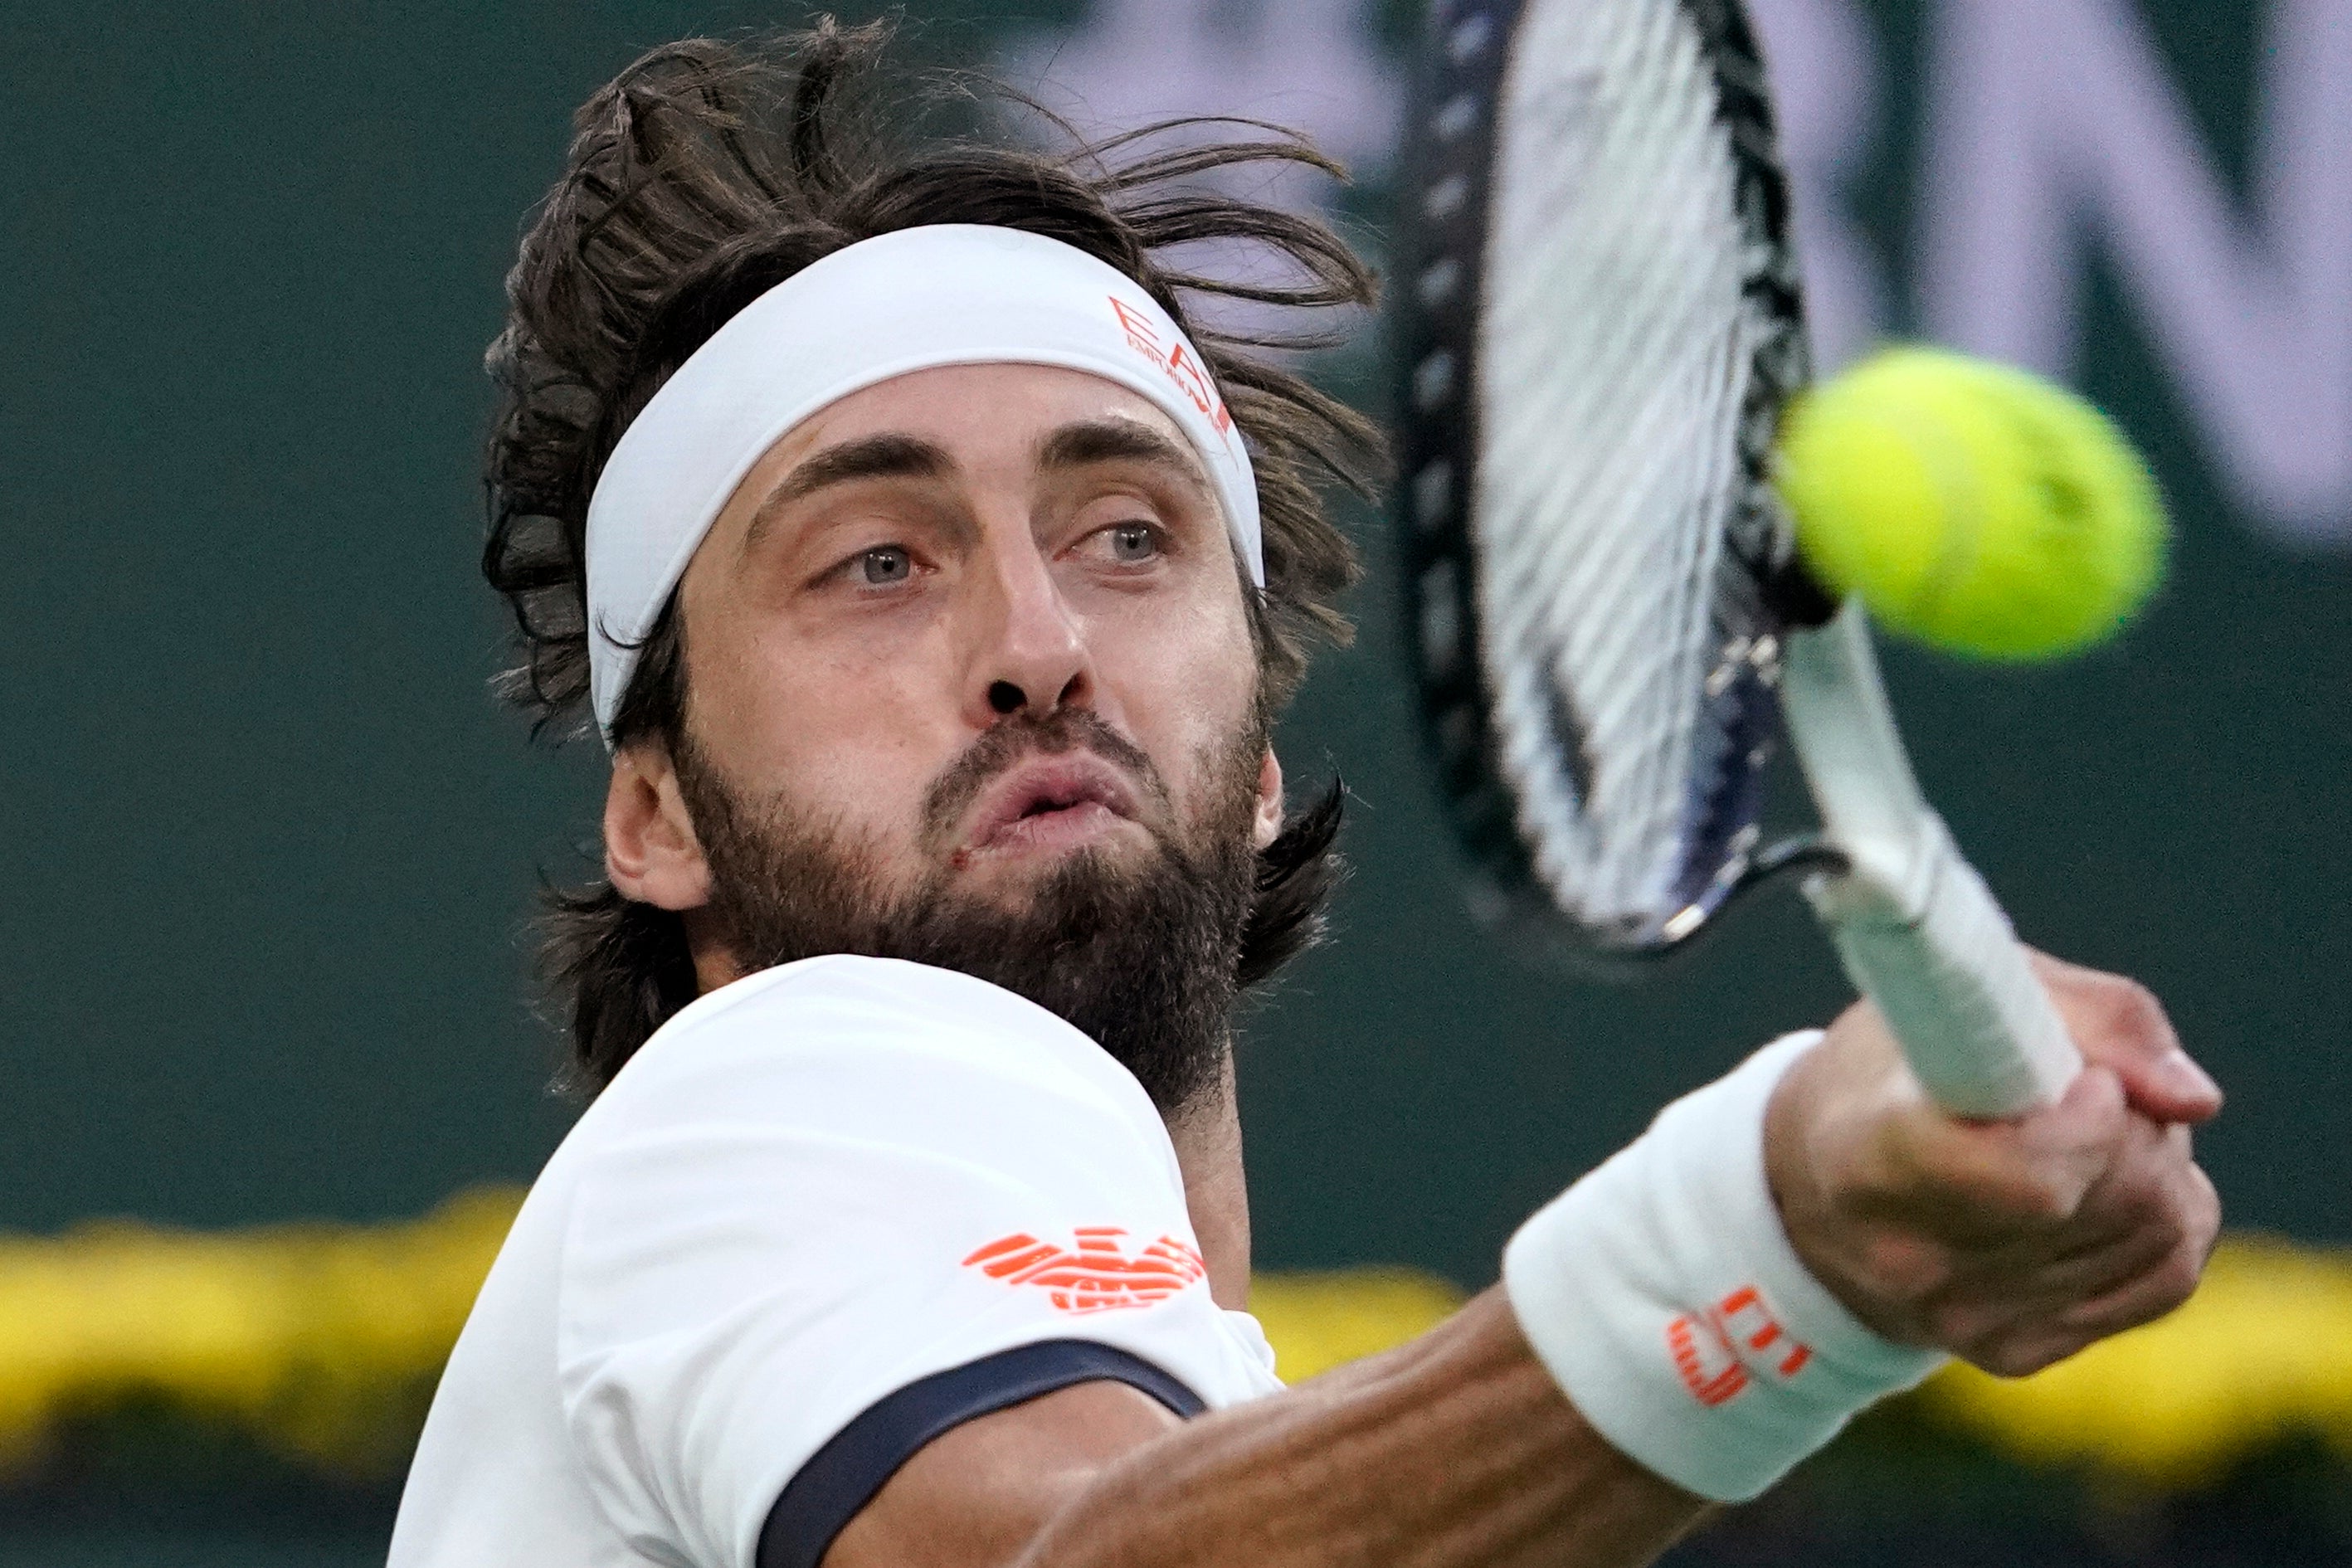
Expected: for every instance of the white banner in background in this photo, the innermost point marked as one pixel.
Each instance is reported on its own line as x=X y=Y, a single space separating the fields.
x=2052 y=118
x=1307 y=63
x=2051 y=125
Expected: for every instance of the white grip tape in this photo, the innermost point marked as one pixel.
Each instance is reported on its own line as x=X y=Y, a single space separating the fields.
x=1664 y=1296
x=1976 y=1025
x=1919 y=932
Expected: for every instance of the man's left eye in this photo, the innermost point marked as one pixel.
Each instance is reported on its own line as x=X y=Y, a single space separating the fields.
x=885 y=564
x=1133 y=542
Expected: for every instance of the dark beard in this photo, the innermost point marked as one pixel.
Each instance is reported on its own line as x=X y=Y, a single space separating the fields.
x=1142 y=958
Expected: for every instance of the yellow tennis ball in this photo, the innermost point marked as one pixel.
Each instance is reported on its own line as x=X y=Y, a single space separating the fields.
x=1975 y=506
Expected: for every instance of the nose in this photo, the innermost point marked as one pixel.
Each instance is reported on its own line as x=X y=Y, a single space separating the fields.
x=1029 y=654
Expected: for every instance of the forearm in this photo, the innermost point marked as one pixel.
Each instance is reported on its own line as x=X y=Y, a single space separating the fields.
x=1457 y=1448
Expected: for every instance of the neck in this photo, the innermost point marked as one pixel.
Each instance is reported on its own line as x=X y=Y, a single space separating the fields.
x=1208 y=1139
x=714 y=960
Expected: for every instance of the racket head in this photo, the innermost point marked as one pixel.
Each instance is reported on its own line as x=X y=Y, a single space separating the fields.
x=1600 y=319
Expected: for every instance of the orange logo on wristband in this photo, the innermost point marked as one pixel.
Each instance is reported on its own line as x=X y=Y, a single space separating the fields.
x=1095 y=1274
x=1715 y=1350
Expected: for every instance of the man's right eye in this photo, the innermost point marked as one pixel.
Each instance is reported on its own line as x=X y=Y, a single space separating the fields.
x=883 y=565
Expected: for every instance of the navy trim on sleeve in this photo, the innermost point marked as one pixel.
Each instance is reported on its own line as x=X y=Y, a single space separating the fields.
x=842 y=1477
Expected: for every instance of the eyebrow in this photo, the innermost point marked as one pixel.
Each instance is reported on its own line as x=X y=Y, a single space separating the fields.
x=888 y=455
x=1120 y=440
x=893 y=454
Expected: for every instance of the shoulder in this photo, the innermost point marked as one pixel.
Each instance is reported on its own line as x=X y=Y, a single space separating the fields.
x=828 y=1182
x=852 y=1107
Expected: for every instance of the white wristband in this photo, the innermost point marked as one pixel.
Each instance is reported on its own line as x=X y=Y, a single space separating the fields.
x=1664 y=1294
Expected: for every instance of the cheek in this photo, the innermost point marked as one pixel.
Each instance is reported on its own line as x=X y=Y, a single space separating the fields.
x=852 y=734
x=1185 y=686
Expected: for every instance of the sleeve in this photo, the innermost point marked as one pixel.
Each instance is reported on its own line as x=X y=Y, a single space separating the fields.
x=825 y=1224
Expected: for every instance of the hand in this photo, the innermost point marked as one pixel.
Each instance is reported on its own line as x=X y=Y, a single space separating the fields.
x=2013 y=1244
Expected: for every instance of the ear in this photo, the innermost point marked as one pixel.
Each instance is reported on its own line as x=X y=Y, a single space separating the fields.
x=650 y=850
x=1268 y=826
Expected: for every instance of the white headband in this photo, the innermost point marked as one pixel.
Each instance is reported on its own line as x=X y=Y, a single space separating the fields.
x=913 y=299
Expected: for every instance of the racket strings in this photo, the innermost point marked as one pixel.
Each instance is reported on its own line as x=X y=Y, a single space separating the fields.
x=1611 y=477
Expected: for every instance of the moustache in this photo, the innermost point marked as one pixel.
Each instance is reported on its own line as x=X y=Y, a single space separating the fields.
x=1010 y=740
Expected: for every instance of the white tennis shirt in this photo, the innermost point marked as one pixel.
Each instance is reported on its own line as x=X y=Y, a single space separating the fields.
x=825 y=1214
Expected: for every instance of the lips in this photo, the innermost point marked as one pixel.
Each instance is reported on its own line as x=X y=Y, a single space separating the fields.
x=1049 y=801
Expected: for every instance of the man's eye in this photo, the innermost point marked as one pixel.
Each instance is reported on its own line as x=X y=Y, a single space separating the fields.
x=884 y=566
x=1132 y=543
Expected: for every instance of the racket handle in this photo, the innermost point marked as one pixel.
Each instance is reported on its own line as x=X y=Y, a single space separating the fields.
x=1917 y=929
x=1977 y=1027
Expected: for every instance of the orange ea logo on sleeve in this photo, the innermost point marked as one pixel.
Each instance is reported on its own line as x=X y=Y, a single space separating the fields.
x=1095 y=1273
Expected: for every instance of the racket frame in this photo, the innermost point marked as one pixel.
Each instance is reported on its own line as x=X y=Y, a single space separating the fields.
x=1916 y=927
x=1447 y=179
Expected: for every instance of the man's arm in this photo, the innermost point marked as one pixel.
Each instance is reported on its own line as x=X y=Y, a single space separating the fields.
x=1455 y=1448
x=2011 y=1244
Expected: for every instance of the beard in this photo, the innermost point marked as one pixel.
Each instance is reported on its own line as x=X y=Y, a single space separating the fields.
x=1142 y=954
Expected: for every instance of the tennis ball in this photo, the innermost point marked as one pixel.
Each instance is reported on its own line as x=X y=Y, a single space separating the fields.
x=1972 y=506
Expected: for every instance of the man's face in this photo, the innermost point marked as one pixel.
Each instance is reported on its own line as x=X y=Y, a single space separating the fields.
x=968 y=670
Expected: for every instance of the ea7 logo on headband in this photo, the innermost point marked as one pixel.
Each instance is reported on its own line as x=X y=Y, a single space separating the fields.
x=1095 y=1274
x=1191 y=377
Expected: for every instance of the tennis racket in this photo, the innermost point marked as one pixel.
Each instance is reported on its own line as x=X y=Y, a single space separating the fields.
x=1601 y=319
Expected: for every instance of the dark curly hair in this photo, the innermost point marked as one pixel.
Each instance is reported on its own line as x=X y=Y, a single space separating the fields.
x=709 y=172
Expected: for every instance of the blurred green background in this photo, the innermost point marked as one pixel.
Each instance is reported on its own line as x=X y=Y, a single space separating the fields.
x=271 y=848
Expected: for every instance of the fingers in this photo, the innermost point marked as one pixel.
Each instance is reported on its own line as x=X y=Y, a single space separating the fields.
x=1991 y=1177
x=2014 y=1243
x=2118 y=1024
x=2134 y=1252
x=2088 y=1273
x=2143 y=1296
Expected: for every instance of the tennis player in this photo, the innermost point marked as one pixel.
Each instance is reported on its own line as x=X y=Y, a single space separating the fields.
x=933 y=579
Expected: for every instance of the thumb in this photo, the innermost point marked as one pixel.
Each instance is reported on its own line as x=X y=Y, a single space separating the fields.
x=2118 y=1024
x=2168 y=1087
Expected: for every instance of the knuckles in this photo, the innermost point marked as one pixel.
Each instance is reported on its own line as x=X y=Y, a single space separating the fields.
x=2158 y=1188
